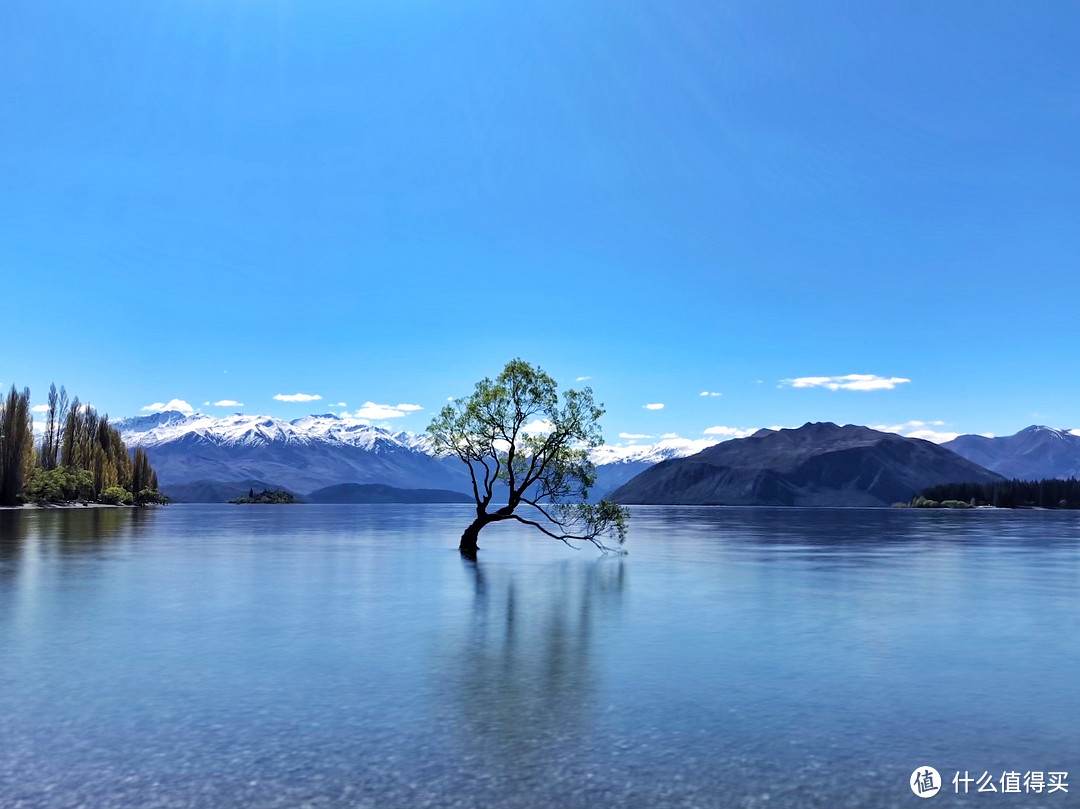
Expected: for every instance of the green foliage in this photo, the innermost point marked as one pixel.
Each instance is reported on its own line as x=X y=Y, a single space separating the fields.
x=82 y=456
x=116 y=495
x=151 y=497
x=954 y=504
x=89 y=442
x=514 y=431
x=60 y=485
x=272 y=496
x=142 y=476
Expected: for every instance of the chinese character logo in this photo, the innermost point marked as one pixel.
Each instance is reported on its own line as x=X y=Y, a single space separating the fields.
x=925 y=782
x=1010 y=781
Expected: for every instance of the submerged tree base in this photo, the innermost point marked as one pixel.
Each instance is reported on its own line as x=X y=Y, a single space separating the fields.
x=469 y=538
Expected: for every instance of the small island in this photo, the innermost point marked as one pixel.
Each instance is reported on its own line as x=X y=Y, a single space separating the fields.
x=266 y=496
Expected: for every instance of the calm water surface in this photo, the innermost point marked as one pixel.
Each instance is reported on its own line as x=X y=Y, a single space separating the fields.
x=346 y=656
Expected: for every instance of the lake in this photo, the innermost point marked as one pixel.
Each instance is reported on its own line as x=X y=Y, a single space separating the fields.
x=347 y=656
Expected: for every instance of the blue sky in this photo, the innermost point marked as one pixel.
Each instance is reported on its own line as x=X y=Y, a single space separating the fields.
x=383 y=201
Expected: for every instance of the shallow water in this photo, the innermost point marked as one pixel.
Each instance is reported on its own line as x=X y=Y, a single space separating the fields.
x=346 y=656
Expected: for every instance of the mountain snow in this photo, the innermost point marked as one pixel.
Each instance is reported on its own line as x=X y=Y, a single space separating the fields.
x=1034 y=453
x=663 y=450
x=246 y=430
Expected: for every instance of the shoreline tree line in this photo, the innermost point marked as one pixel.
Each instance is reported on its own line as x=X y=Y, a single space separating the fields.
x=80 y=456
x=1050 y=493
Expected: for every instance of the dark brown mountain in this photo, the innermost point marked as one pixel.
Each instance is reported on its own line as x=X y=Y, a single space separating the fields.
x=815 y=465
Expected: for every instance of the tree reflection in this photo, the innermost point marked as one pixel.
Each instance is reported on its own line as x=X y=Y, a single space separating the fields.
x=526 y=681
x=13 y=533
x=65 y=532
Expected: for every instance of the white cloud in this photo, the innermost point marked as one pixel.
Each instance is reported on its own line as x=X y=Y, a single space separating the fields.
x=172 y=404
x=206 y=404
x=538 y=427
x=635 y=436
x=670 y=435
x=228 y=403
x=907 y=425
x=862 y=382
x=710 y=393
x=371 y=410
x=583 y=379
x=932 y=435
x=40 y=409
x=340 y=404
x=297 y=397
x=656 y=406
x=730 y=432
x=918 y=429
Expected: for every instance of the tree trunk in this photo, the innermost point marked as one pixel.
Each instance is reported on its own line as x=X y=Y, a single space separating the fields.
x=468 y=539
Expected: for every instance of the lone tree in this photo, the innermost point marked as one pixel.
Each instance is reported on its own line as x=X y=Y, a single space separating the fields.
x=513 y=431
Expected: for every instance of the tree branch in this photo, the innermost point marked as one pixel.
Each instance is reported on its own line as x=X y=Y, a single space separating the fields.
x=566 y=537
x=542 y=511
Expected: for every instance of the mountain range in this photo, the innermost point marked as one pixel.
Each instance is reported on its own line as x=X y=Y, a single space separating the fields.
x=814 y=465
x=301 y=455
x=202 y=458
x=1034 y=453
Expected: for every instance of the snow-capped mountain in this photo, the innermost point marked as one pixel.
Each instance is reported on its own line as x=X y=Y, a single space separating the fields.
x=663 y=450
x=324 y=450
x=301 y=455
x=616 y=465
x=1034 y=453
x=243 y=430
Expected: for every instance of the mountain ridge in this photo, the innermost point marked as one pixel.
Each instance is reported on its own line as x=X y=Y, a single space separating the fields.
x=321 y=450
x=1033 y=453
x=301 y=455
x=818 y=464
x=317 y=451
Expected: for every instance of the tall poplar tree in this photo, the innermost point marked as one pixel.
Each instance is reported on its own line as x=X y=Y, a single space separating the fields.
x=16 y=444
x=54 y=425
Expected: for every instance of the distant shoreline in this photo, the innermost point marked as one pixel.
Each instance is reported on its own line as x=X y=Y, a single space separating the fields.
x=56 y=506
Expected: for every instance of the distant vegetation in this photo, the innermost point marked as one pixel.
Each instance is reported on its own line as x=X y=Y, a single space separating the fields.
x=1053 y=493
x=266 y=496
x=80 y=458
